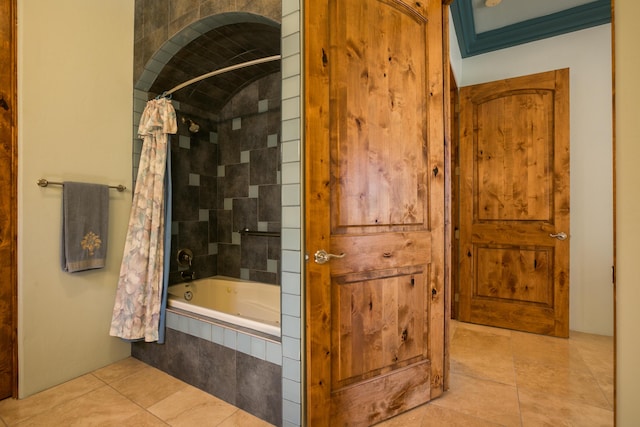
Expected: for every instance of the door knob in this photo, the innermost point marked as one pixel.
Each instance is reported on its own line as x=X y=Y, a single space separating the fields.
x=322 y=256
x=560 y=236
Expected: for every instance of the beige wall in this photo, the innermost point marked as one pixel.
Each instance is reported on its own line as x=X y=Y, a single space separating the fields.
x=627 y=75
x=75 y=62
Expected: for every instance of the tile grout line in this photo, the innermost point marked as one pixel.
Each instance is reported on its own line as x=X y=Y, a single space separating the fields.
x=515 y=377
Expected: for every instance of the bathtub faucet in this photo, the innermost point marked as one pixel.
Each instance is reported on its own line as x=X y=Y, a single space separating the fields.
x=184 y=258
x=188 y=275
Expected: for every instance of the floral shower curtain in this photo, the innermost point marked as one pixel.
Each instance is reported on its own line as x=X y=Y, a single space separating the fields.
x=138 y=312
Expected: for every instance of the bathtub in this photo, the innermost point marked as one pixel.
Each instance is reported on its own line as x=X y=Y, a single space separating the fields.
x=243 y=303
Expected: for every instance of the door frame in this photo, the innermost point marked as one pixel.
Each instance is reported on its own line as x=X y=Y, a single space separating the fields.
x=9 y=94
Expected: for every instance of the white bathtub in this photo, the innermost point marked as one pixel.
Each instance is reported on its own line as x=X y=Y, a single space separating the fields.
x=243 y=303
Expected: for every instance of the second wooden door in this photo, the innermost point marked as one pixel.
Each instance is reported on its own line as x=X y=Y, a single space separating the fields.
x=514 y=203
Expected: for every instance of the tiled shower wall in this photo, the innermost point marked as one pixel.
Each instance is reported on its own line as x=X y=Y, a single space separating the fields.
x=157 y=38
x=249 y=183
x=194 y=159
x=226 y=178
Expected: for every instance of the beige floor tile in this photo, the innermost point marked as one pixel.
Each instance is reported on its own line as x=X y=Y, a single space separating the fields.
x=243 y=419
x=119 y=370
x=484 y=399
x=541 y=409
x=13 y=411
x=144 y=419
x=483 y=354
x=498 y=378
x=173 y=406
x=597 y=353
x=570 y=381
x=543 y=349
x=101 y=407
x=148 y=386
x=206 y=414
x=431 y=415
x=483 y=328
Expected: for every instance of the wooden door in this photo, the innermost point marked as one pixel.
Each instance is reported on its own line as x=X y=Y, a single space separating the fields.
x=8 y=205
x=514 y=166
x=374 y=175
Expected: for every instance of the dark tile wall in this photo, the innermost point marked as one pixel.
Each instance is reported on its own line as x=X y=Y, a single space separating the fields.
x=244 y=381
x=209 y=210
x=249 y=192
x=156 y=21
x=194 y=159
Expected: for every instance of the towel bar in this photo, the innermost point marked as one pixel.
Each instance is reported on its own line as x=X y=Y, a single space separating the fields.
x=43 y=183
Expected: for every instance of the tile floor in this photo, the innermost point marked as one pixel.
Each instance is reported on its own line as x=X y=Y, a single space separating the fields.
x=498 y=378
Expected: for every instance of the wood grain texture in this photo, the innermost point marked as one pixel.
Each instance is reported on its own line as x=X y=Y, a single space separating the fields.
x=375 y=190
x=8 y=203
x=514 y=194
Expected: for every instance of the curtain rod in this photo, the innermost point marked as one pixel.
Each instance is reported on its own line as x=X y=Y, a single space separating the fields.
x=221 y=71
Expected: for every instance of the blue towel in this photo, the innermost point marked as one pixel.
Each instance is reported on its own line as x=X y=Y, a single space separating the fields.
x=85 y=225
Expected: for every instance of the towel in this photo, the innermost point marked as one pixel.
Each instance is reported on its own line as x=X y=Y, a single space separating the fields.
x=85 y=224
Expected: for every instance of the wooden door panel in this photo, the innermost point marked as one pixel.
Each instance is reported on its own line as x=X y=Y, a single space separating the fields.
x=375 y=122
x=500 y=269
x=378 y=326
x=379 y=251
x=382 y=396
x=375 y=194
x=514 y=163
x=513 y=149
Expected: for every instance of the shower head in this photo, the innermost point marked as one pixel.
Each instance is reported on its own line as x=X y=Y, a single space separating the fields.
x=193 y=126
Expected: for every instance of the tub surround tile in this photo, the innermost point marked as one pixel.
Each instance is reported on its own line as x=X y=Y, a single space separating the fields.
x=186 y=204
x=229 y=260
x=253 y=134
x=263 y=277
x=269 y=203
x=203 y=157
x=224 y=226
x=218 y=371
x=236 y=180
x=275 y=249
x=269 y=89
x=259 y=378
x=264 y=166
x=254 y=252
x=208 y=192
x=258 y=348
x=248 y=382
x=194 y=235
x=245 y=214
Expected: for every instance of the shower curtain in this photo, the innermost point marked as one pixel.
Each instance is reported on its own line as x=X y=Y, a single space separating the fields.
x=138 y=312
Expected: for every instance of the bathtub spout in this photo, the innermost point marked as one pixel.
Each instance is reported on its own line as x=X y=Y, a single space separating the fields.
x=188 y=276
